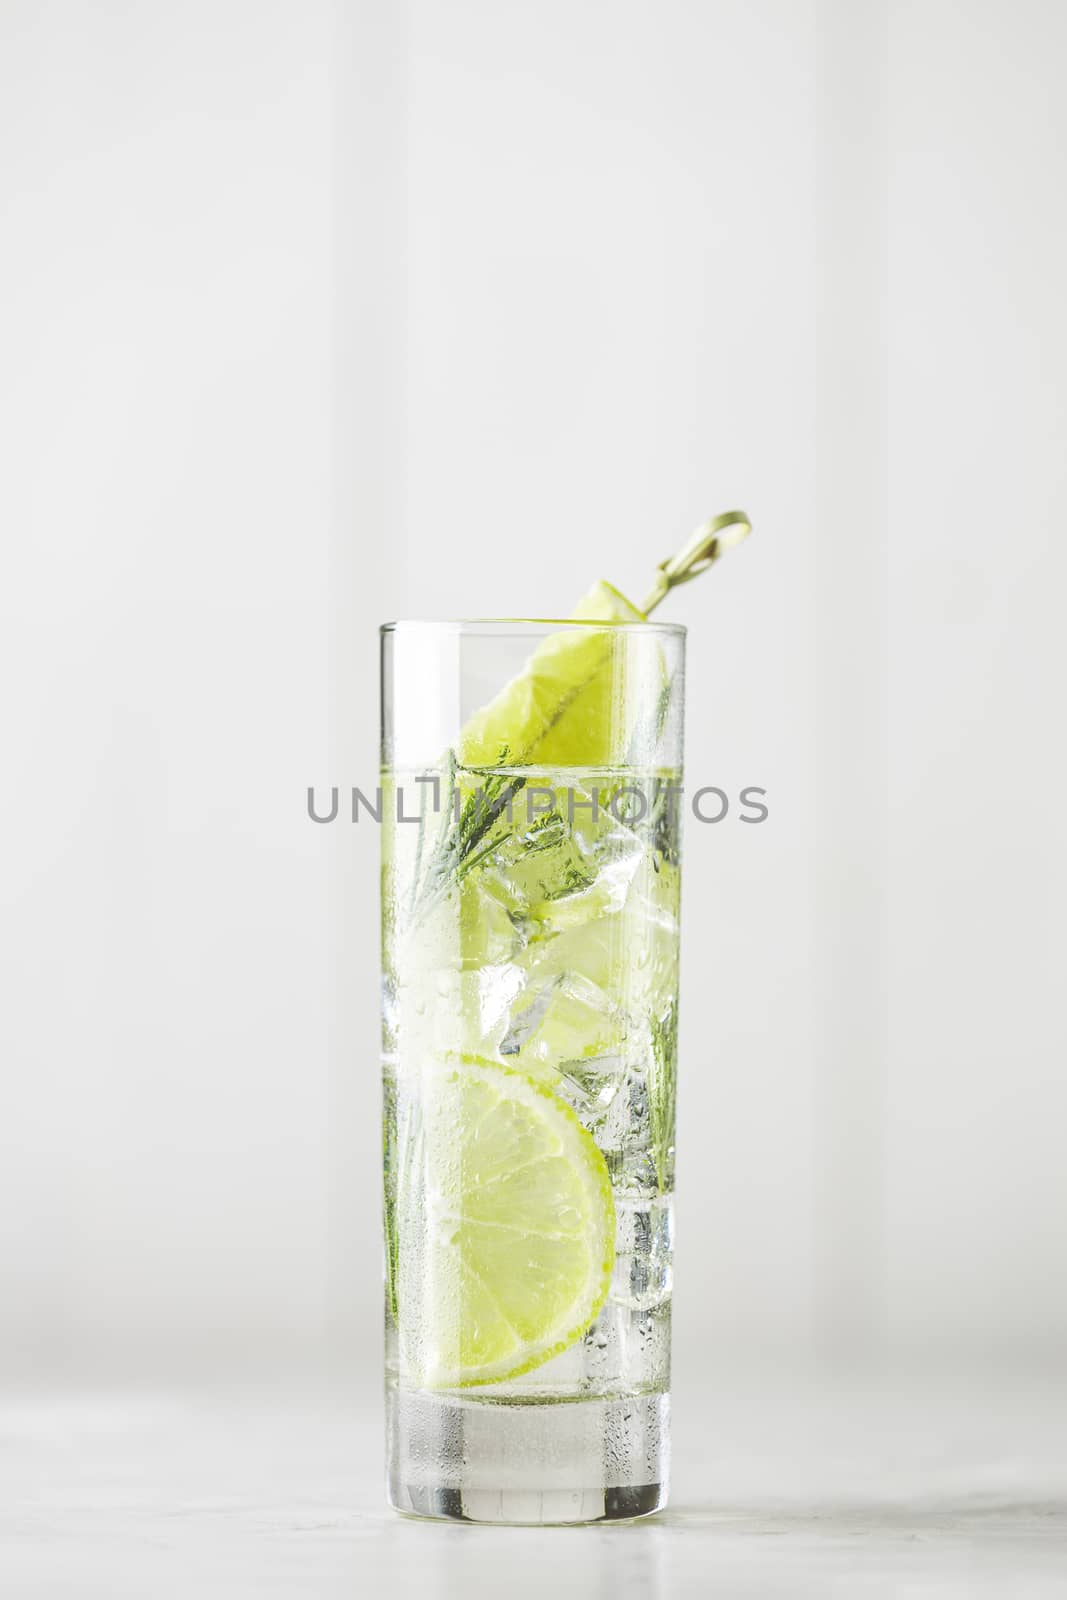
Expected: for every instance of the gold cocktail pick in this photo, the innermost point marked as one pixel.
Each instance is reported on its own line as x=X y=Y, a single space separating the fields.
x=710 y=541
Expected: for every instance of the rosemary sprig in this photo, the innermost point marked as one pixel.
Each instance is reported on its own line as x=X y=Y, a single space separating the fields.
x=662 y=1088
x=466 y=833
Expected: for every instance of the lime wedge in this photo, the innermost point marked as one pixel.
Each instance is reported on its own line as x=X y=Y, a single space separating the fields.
x=605 y=603
x=516 y=1227
x=561 y=709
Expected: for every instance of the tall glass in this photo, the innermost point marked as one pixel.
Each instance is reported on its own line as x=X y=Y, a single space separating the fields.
x=530 y=806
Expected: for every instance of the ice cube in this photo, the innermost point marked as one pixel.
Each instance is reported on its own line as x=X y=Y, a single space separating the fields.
x=565 y=1032
x=563 y=868
x=625 y=1136
x=465 y=1014
x=644 y=1250
x=466 y=927
x=564 y=1019
x=652 y=939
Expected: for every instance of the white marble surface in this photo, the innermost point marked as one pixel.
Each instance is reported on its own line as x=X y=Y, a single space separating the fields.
x=785 y=1487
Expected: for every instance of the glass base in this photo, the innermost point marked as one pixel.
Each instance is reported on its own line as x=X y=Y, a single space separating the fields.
x=529 y=1463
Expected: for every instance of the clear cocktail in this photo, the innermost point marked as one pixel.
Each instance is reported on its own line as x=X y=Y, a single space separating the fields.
x=530 y=981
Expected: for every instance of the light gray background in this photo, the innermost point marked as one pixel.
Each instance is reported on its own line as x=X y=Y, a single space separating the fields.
x=314 y=314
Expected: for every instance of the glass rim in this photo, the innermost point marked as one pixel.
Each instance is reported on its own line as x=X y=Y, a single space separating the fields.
x=503 y=625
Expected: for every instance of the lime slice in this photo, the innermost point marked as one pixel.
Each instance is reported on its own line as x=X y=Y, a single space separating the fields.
x=513 y=1250
x=561 y=709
